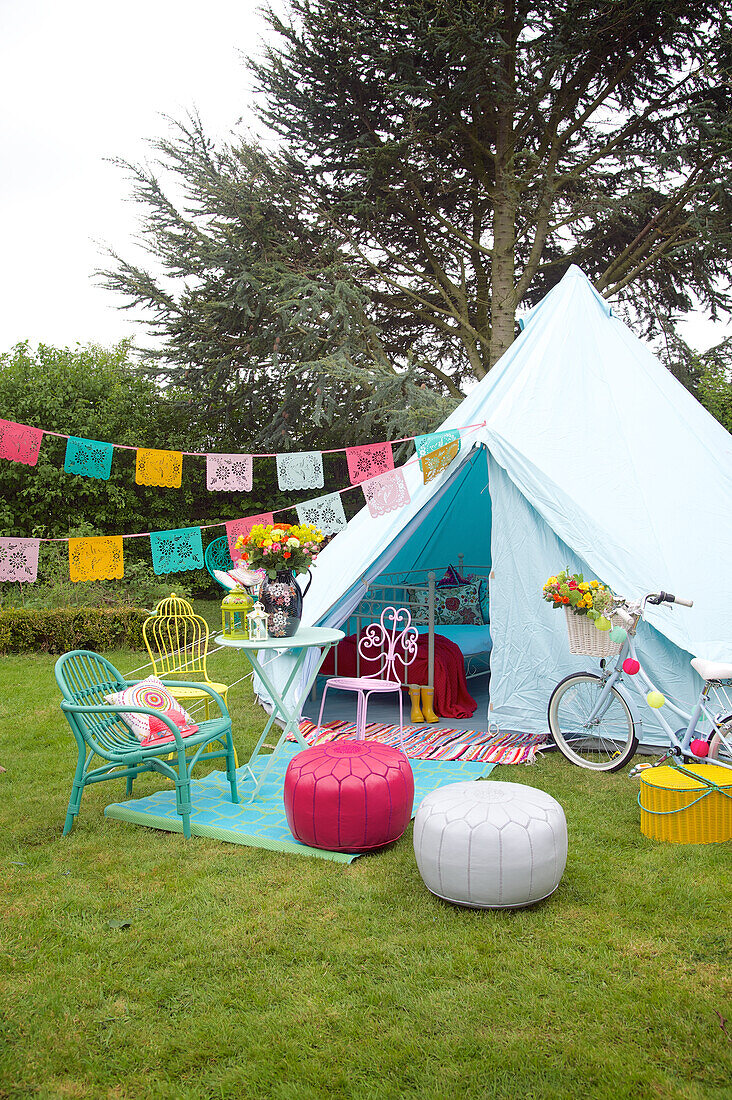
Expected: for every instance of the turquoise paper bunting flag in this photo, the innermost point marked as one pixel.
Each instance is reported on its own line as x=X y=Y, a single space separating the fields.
x=426 y=444
x=174 y=551
x=88 y=457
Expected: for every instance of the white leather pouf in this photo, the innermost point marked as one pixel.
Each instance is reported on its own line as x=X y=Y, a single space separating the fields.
x=490 y=845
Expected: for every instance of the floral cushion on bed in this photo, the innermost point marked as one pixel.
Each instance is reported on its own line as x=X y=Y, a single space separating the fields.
x=458 y=606
x=454 y=579
x=483 y=596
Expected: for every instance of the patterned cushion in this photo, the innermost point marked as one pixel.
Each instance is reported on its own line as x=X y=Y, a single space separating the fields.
x=483 y=596
x=459 y=605
x=451 y=579
x=153 y=694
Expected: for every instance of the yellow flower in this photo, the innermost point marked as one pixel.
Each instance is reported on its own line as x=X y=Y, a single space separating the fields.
x=552 y=580
x=584 y=587
x=594 y=584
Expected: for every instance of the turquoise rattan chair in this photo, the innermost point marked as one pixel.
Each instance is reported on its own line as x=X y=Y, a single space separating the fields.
x=84 y=679
x=217 y=558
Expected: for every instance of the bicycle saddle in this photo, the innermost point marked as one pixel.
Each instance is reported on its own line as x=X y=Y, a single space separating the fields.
x=712 y=670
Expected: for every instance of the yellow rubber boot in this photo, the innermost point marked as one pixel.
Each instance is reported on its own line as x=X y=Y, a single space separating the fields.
x=428 y=695
x=416 y=716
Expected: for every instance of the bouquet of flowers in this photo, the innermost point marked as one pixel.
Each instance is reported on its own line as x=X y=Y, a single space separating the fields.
x=279 y=546
x=590 y=598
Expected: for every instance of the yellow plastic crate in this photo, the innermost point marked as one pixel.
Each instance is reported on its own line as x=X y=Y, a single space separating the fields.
x=675 y=807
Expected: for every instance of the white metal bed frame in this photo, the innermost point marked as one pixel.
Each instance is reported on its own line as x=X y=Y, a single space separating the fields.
x=403 y=590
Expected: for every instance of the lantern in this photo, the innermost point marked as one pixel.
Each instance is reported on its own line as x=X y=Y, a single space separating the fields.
x=257 y=620
x=235 y=608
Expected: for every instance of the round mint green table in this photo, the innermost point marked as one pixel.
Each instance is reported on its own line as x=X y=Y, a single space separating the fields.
x=307 y=637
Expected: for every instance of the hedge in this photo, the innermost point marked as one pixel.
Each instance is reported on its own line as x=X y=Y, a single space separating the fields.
x=57 y=630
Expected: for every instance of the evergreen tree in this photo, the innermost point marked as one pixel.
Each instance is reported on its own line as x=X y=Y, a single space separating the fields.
x=442 y=163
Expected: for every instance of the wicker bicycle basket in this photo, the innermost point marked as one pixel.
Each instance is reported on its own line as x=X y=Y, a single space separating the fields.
x=585 y=638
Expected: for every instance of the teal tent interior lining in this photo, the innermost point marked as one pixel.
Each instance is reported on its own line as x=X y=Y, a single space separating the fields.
x=459 y=524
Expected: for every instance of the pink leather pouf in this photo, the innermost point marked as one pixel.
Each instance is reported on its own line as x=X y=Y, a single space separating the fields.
x=348 y=796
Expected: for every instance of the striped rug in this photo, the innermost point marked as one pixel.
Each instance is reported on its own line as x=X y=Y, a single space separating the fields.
x=427 y=743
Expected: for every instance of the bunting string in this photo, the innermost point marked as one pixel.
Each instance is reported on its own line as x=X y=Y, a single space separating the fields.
x=371 y=470
x=22 y=442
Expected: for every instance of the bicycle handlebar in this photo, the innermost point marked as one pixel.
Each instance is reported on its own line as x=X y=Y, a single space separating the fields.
x=629 y=611
x=666 y=597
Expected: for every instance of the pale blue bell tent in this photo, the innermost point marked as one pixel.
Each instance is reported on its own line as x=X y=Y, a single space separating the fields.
x=585 y=453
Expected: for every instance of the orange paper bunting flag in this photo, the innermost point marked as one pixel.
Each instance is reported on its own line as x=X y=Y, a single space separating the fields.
x=436 y=451
x=164 y=468
x=97 y=559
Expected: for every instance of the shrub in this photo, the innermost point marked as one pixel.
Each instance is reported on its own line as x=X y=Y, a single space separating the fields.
x=57 y=630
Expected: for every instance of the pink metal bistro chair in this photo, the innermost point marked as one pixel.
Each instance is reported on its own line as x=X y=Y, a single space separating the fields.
x=389 y=640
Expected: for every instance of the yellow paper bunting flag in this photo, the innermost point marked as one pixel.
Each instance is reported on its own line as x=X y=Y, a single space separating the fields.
x=434 y=463
x=97 y=559
x=163 y=468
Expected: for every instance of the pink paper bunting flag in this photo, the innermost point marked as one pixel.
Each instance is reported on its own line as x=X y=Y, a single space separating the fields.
x=386 y=493
x=237 y=527
x=369 y=461
x=20 y=442
x=19 y=559
x=229 y=473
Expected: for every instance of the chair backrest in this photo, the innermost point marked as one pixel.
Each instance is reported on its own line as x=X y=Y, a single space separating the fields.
x=85 y=677
x=176 y=640
x=392 y=638
x=217 y=556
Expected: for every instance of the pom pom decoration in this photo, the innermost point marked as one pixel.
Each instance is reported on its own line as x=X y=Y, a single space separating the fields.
x=655 y=699
x=699 y=747
x=617 y=634
x=602 y=623
x=631 y=666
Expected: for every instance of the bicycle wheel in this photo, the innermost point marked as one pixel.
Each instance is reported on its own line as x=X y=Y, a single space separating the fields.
x=720 y=748
x=603 y=743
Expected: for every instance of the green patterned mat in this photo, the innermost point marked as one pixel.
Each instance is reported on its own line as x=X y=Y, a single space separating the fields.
x=262 y=824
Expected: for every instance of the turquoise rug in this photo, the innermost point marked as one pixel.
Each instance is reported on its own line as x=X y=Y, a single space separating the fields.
x=262 y=824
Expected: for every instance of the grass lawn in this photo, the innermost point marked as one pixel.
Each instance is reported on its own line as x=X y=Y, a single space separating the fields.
x=134 y=964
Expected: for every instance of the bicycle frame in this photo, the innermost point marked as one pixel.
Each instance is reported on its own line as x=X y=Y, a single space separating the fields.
x=614 y=679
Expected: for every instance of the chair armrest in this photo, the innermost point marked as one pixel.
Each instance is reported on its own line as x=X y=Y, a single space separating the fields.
x=125 y=708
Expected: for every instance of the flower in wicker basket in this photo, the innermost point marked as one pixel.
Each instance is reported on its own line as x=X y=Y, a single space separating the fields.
x=588 y=609
x=571 y=590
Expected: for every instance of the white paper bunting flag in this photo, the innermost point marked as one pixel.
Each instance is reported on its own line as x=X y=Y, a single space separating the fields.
x=326 y=513
x=300 y=470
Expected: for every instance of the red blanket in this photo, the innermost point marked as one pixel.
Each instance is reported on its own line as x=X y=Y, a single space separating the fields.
x=452 y=699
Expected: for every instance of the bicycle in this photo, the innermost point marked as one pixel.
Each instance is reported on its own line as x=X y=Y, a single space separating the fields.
x=594 y=719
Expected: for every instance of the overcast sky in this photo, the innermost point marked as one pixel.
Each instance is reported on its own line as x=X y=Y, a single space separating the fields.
x=82 y=81
x=85 y=80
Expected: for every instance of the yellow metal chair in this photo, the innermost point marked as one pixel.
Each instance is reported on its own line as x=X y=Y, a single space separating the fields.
x=176 y=640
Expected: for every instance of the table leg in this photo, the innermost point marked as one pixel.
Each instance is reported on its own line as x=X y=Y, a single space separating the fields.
x=291 y=718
